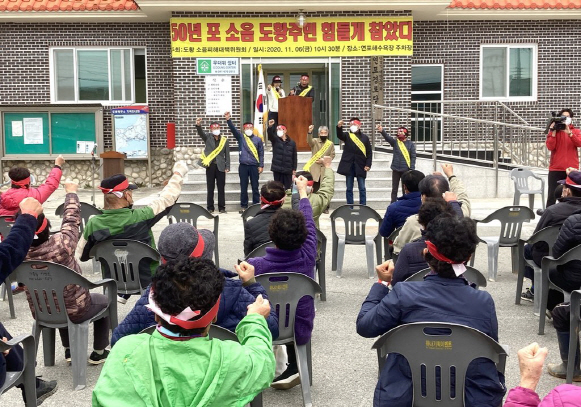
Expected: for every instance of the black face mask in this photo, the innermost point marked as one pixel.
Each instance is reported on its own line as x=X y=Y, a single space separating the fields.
x=323 y=138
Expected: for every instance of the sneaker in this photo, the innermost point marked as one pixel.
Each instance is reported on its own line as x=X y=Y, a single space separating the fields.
x=68 y=355
x=121 y=300
x=223 y=211
x=96 y=359
x=528 y=295
x=211 y=210
x=288 y=379
x=44 y=390
x=549 y=314
x=559 y=370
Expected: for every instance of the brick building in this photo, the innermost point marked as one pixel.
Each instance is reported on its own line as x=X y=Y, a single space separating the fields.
x=65 y=56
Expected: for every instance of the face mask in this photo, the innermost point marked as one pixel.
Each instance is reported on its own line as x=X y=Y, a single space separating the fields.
x=216 y=132
x=248 y=132
x=323 y=138
x=353 y=129
x=401 y=136
x=568 y=121
x=280 y=133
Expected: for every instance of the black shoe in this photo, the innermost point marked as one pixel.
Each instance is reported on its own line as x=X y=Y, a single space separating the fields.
x=241 y=211
x=223 y=211
x=96 y=359
x=44 y=390
x=528 y=295
x=210 y=210
x=540 y=212
x=288 y=379
x=68 y=355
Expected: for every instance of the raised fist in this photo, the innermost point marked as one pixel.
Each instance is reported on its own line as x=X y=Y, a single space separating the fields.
x=227 y=115
x=270 y=123
x=198 y=121
x=379 y=127
x=340 y=123
x=311 y=128
x=31 y=206
x=59 y=161
x=71 y=187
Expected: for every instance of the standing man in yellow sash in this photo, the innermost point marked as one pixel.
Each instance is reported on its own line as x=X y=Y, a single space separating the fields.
x=216 y=160
x=274 y=91
x=251 y=158
x=404 y=157
x=356 y=158
x=303 y=89
x=320 y=147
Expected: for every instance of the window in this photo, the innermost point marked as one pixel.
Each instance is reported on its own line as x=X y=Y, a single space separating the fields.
x=106 y=75
x=427 y=91
x=508 y=72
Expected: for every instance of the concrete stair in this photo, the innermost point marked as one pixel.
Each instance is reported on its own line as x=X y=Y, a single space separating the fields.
x=378 y=183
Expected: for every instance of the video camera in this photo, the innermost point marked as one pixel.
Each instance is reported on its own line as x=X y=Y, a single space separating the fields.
x=561 y=122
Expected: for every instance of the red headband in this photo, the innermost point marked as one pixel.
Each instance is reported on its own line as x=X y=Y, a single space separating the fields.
x=305 y=76
x=117 y=188
x=198 y=250
x=356 y=122
x=439 y=256
x=281 y=127
x=42 y=226
x=310 y=183
x=22 y=183
x=246 y=126
x=183 y=319
x=214 y=125
x=271 y=203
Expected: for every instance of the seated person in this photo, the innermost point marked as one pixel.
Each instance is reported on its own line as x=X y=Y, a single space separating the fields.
x=435 y=186
x=411 y=258
x=20 y=187
x=178 y=365
x=406 y=205
x=120 y=221
x=180 y=241
x=295 y=237
x=530 y=360
x=272 y=195
x=443 y=296
x=59 y=248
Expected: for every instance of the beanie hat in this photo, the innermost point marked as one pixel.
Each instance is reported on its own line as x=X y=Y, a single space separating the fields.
x=179 y=240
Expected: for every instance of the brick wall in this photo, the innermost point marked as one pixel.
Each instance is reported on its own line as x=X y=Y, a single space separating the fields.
x=24 y=64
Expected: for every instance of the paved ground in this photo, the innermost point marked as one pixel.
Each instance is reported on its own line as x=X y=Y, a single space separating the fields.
x=344 y=366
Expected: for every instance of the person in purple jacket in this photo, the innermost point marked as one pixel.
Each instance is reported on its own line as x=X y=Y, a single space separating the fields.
x=295 y=236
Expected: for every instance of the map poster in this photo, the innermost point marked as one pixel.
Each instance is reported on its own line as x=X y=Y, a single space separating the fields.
x=131 y=131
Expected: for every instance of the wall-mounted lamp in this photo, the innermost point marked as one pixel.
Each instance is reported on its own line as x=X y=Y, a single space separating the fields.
x=301 y=19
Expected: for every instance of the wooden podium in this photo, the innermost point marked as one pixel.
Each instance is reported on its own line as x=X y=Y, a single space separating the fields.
x=296 y=113
x=113 y=163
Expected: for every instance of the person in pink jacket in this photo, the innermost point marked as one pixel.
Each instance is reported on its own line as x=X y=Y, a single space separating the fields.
x=531 y=359
x=20 y=188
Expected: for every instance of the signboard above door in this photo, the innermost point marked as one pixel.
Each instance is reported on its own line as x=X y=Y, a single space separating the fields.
x=218 y=66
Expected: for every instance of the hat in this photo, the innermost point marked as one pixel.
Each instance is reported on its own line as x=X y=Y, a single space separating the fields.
x=573 y=180
x=276 y=79
x=116 y=183
x=181 y=239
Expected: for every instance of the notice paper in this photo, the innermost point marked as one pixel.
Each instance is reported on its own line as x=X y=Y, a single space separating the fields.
x=85 y=147
x=17 y=129
x=33 y=130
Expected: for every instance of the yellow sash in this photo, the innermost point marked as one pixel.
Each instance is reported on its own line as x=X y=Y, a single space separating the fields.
x=307 y=90
x=207 y=160
x=358 y=143
x=318 y=154
x=405 y=152
x=275 y=93
x=251 y=147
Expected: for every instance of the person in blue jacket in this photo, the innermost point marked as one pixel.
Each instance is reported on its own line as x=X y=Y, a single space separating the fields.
x=407 y=205
x=443 y=296
x=180 y=240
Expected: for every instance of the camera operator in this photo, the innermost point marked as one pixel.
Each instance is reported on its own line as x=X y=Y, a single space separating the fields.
x=563 y=139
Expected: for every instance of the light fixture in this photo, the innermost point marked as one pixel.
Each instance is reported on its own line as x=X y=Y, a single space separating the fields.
x=301 y=18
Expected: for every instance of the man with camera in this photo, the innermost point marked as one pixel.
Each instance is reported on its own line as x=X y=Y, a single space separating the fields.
x=563 y=139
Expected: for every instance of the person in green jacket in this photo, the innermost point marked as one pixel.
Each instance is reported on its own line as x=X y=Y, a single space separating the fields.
x=179 y=365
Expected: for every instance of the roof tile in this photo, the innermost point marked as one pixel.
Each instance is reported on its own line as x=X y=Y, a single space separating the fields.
x=68 y=5
x=516 y=4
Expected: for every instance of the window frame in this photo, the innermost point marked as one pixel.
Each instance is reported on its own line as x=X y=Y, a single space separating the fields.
x=110 y=102
x=534 y=74
x=429 y=92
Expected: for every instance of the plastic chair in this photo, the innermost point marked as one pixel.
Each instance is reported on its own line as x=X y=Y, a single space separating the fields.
x=574 y=327
x=6 y=223
x=250 y=212
x=511 y=219
x=355 y=218
x=550 y=263
x=388 y=245
x=521 y=176
x=548 y=235
x=120 y=260
x=260 y=251
x=87 y=212
x=190 y=212
x=471 y=274
x=223 y=334
x=26 y=377
x=428 y=346
x=321 y=264
x=44 y=284
x=284 y=292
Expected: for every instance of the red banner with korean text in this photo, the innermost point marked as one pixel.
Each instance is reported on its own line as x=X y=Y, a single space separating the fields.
x=272 y=37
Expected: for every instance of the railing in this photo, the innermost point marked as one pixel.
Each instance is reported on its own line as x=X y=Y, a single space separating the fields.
x=485 y=133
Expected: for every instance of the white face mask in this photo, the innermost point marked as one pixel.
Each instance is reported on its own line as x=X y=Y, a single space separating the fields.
x=279 y=133
x=353 y=129
x=216 y=132
x=248 y=132
x=568 y=121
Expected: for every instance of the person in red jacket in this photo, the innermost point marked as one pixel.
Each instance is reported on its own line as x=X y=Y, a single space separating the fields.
x=20 y=188
x=563 y=146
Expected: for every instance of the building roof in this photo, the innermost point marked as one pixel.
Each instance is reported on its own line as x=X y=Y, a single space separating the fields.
x=68 y=5
x=516 y=4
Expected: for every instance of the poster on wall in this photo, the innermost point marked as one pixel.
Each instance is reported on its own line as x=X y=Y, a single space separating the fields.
x=17 y=129
x=131 y=131
x=32 y=128
x=218 y=95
